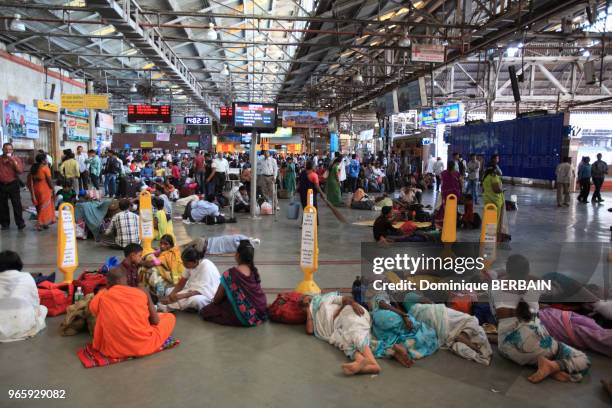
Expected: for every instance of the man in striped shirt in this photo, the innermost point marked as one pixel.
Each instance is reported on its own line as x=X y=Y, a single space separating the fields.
x=124 y=226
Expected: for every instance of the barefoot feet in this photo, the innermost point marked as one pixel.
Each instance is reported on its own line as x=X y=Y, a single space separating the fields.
x=401 y=355
x=546 y=368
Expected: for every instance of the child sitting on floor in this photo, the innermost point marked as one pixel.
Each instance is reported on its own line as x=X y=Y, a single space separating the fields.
x=66 y=195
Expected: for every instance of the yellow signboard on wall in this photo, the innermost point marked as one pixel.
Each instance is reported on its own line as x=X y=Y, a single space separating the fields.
x=47 y=106
x=146 y=144
x=84 y=101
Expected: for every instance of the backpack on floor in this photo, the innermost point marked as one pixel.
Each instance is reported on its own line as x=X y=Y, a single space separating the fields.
x=55 y=296
x=90 y=282
x=287 y=309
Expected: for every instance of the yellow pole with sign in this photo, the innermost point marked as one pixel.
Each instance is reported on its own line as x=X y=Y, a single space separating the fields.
x=146 y=222
x=309 y=252
x=488 y=234
x=67 y=254
x=449 y=226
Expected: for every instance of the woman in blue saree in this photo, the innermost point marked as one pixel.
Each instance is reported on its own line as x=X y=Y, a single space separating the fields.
x=240 y=300
x=398 y=334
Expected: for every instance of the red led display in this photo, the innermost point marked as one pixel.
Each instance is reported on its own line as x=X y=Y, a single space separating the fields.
x=226 y=115
x=149 y=113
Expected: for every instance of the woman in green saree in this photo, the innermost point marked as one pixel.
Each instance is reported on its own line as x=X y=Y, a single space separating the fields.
x=333 y=184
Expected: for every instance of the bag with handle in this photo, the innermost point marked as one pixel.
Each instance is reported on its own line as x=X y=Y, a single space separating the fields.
x=293 y=211
x=56 y=297
x=90 y=282
x=287 y=308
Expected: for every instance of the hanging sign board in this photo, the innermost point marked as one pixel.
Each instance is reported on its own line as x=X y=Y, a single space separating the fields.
x=84 y=101
x=428 y=53
x=47 y=106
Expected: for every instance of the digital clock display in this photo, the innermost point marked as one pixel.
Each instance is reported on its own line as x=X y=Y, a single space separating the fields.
x=197 y=120
x=226 y=115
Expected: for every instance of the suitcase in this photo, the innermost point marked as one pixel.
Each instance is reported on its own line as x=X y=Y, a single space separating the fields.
x=293 y=210
x=128 y=187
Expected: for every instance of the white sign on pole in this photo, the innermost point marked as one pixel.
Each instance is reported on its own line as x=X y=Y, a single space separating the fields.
x=428 y=52
x=307 y=251
x=146 y=223
x=69 y=256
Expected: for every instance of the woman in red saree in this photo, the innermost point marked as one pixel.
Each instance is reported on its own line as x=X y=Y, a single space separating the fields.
x=41 y=189
x=240 y=300
x=451 y=184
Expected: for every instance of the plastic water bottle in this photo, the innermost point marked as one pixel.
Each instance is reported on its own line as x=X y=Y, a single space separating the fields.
x=160 y=290
x=78 y=295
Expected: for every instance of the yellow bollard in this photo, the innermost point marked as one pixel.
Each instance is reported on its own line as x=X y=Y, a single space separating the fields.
x=146 y=222
x=488 y=234
x=67 y=253
x=449 y=226
x=309 y=252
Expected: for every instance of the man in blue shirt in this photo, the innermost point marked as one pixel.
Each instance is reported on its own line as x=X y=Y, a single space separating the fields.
x=353 y=173
x=584 y=177
x=197 y=211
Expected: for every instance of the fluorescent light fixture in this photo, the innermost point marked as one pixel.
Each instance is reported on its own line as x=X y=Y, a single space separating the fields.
x=17 y=24
x=104 y=30
x=211 y=34
x=511 y=52
x=131 y=51
x=148 y=66
x=401 y=11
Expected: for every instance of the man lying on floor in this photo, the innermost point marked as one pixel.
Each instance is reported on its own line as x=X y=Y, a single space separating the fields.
x=342 y=322
x=225 y=244
x=127 y=323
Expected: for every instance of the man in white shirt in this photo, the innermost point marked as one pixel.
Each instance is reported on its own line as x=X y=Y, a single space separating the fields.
x=221 y=166
x=81 y=158
x=197 y=211
x=565 y=175
x=438 y=168
x=269 y=172
x=198 y=285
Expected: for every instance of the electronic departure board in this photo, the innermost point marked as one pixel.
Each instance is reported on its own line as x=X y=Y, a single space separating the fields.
x=250 y=116
x=197 y=120
x=149 y=114
x=226 y=115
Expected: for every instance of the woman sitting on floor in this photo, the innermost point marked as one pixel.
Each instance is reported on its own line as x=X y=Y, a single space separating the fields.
x=523 y=339
x=164 y=267
x=21 y=314
x=197 y=286
x=456 y=331
x=127 y=324
x=240 y=300
x=343 y=323
x=399 y=335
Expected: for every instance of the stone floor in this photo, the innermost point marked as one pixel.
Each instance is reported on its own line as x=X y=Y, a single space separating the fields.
x=275 y=365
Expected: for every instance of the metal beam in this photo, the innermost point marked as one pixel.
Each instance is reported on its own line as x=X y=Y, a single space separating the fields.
x=552 y=79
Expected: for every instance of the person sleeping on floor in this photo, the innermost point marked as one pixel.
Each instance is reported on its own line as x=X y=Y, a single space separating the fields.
x=225 y=244
x=342 y=322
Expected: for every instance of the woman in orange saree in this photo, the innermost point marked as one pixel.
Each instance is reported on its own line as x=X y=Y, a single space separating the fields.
x=41 y=189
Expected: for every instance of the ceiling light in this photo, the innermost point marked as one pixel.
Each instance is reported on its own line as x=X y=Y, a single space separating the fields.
x=17 y=24
x=586 y=54
x=404 y=41
x=211 y=34
x=148 y=66
x=511 y=52
x=225 y=71
x=520 y=45
x=357 y=78
x=133 y=88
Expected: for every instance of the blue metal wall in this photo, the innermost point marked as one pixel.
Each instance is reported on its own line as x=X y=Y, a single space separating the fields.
x=528 y=147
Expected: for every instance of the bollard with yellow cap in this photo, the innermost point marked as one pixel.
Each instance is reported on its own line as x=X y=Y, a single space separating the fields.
x=67 y=254
x=309 y=251
x=146 y=222
x=488 y=234
x=449 y=226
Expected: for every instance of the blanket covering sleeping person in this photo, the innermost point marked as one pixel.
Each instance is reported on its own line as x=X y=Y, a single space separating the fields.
x=449 y=325
x=127 y=324
x=93 y=212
